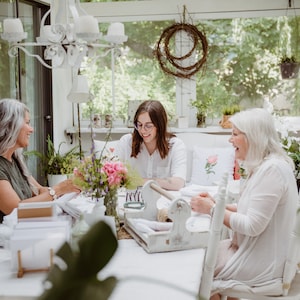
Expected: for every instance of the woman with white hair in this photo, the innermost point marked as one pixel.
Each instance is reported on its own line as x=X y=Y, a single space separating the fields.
x=264 y=216
x=16 y=183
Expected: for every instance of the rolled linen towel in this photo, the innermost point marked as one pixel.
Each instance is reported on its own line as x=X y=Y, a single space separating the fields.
x=143 y=228
x=154 y=225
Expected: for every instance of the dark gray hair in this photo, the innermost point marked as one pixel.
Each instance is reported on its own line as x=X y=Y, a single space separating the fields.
x=12 y=114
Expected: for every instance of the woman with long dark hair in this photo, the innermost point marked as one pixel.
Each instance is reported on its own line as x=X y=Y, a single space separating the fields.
x=152 y=150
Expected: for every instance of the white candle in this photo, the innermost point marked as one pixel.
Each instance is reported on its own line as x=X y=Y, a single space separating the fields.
x=12 y=26
x=86 y=24
x=116 y=29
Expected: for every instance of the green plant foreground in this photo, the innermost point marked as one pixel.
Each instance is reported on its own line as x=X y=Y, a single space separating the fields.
x=79 y=281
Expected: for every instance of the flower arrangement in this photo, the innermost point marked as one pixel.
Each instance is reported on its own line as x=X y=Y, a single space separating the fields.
x=99 y=176
x=211 y=161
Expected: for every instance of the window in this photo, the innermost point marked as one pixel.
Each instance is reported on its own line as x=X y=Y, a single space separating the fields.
x=242 y=68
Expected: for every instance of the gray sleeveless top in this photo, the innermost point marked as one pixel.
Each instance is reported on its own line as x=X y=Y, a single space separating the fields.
x=11 y=172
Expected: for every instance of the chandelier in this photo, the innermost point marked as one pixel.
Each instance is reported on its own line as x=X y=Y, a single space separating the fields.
x=71 y=37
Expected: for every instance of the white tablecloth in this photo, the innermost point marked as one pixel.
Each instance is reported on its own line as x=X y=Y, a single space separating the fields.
x=180 y=268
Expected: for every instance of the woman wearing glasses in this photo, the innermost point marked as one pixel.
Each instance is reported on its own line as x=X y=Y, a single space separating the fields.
x=153 y=151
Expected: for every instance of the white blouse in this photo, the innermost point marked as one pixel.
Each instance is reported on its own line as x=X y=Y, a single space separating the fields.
x=266 y=214
x=153 y=166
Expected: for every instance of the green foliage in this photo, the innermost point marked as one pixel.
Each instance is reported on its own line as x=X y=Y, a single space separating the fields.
x=202 y=104
x=242 y=66
x=79 y=281
x=54 y=162
x=287 y=59
x=292 y=147
x=231 y=110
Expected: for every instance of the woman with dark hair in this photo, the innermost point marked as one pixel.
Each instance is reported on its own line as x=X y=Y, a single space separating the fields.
x=16 y=183
x=153 y=151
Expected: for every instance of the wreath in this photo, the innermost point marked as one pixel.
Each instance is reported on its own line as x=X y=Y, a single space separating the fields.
x=174 y=65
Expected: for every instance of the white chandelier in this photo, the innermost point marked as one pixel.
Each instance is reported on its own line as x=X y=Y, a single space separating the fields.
x=68 y=40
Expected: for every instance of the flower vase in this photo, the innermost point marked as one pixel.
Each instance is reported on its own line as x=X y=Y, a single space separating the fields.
x=79 y=229
x=97 y=212
x=111 y=202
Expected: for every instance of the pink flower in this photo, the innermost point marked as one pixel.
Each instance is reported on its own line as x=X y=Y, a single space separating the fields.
x=116 y=172
x=212 y=159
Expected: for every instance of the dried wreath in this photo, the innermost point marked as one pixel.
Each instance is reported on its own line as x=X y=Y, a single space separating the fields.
x=164 y=55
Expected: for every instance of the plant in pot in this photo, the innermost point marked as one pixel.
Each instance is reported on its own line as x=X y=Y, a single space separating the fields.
x=289 y=67
x=202 y=106
x=289 y=45
x=57 y=165
x=227 y=112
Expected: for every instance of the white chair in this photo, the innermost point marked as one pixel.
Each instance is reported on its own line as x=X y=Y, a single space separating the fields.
x=291 y=274
x=214 y=238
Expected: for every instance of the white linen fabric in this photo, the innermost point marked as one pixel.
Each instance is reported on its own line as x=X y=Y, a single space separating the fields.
x=224 y=164
x=266 y=215
x=153 y=166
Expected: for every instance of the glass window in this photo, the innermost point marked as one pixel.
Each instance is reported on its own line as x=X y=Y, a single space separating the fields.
x=242 y=68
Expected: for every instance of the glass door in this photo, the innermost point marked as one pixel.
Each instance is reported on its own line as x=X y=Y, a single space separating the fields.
x=24 y=78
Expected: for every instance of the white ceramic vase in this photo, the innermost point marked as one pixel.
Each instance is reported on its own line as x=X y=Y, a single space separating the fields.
x=97 y=212
x=55 y=179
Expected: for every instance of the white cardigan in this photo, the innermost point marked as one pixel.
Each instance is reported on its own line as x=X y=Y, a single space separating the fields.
x=266 y=214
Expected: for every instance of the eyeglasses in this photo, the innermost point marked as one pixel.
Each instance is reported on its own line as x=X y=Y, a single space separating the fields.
x=147 y=126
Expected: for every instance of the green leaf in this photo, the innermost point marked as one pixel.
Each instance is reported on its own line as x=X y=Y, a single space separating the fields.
x=78 y=281
x=96 y=249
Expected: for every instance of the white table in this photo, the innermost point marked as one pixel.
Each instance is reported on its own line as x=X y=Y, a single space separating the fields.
x=181 y=268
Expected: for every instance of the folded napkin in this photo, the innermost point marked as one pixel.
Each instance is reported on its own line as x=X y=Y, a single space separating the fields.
x=148 y=226
x=194 y=189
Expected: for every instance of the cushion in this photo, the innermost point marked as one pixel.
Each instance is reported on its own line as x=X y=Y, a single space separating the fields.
x=109 y=147
x=200 y=139
x=210 y=163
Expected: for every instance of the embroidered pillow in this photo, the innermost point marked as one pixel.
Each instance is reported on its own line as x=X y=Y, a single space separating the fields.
x=110 y=145
x=209 y=164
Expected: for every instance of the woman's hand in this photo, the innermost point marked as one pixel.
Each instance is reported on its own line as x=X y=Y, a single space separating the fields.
x=66 y=186
x=202 y=203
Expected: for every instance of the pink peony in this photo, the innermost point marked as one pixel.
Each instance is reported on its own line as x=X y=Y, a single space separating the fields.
x=212 y=159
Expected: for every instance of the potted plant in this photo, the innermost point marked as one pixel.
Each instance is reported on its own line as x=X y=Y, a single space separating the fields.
x=202 y=106
x=289 y=67
x=292 y=147
x=289 y=45
x=227 y=112
x=57 y=165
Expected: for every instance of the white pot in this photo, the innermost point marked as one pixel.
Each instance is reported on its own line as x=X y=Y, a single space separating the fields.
x=55 y=179
x=96 y=214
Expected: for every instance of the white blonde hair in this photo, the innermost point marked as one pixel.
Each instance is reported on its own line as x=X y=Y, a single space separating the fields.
x=258 y=126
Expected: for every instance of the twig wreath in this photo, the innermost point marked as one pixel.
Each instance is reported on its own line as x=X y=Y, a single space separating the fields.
x=174 y=65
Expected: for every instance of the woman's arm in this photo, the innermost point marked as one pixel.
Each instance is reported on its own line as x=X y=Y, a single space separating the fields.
x=170 y=183
x=9 y=199
x=177 y=174
x=204 y=202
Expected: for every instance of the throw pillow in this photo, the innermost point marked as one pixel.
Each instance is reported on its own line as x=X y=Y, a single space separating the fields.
x=209 y=164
